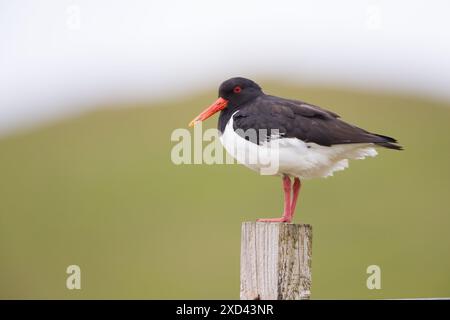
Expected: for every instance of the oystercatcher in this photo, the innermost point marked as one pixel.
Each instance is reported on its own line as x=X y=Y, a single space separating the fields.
x=311 y=142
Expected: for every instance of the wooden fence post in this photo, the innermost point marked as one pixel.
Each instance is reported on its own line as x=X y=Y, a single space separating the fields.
x=275 y=261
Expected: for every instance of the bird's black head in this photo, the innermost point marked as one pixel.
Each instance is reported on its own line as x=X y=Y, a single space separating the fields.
x=238 y=91
x=233 y=93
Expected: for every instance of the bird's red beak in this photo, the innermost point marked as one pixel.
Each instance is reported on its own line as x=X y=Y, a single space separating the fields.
x=220 y=104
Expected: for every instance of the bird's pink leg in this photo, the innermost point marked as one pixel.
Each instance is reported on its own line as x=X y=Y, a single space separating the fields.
x=287 y=215
x=296 y=190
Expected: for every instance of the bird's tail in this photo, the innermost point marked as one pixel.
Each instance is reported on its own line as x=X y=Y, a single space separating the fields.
x=388 y=142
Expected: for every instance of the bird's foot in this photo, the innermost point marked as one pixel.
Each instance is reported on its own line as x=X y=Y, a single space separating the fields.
x=282 y=219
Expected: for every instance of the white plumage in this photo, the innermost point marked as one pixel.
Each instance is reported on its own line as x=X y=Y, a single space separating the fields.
x=292 y=156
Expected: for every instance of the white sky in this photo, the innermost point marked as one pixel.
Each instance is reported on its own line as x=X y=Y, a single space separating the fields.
x=59 y=57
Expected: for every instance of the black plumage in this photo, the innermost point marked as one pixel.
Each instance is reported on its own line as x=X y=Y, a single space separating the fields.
x=253 y=109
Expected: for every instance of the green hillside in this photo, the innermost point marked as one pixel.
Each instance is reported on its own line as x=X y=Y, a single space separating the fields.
x=100 y=191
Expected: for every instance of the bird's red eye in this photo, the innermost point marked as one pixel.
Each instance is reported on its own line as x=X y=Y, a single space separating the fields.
x=237 y=89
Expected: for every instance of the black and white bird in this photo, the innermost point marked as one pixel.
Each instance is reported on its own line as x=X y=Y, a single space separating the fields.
x=310 y=142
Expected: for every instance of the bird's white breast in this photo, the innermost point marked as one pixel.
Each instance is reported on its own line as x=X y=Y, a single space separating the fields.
x=292 y=156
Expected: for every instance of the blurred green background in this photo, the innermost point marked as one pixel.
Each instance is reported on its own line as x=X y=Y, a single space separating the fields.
x=100 y=191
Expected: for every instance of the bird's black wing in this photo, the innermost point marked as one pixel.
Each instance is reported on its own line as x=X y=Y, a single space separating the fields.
x=307 y=122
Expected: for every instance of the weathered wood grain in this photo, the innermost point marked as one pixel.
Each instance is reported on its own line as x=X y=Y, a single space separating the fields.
x=275 y=261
